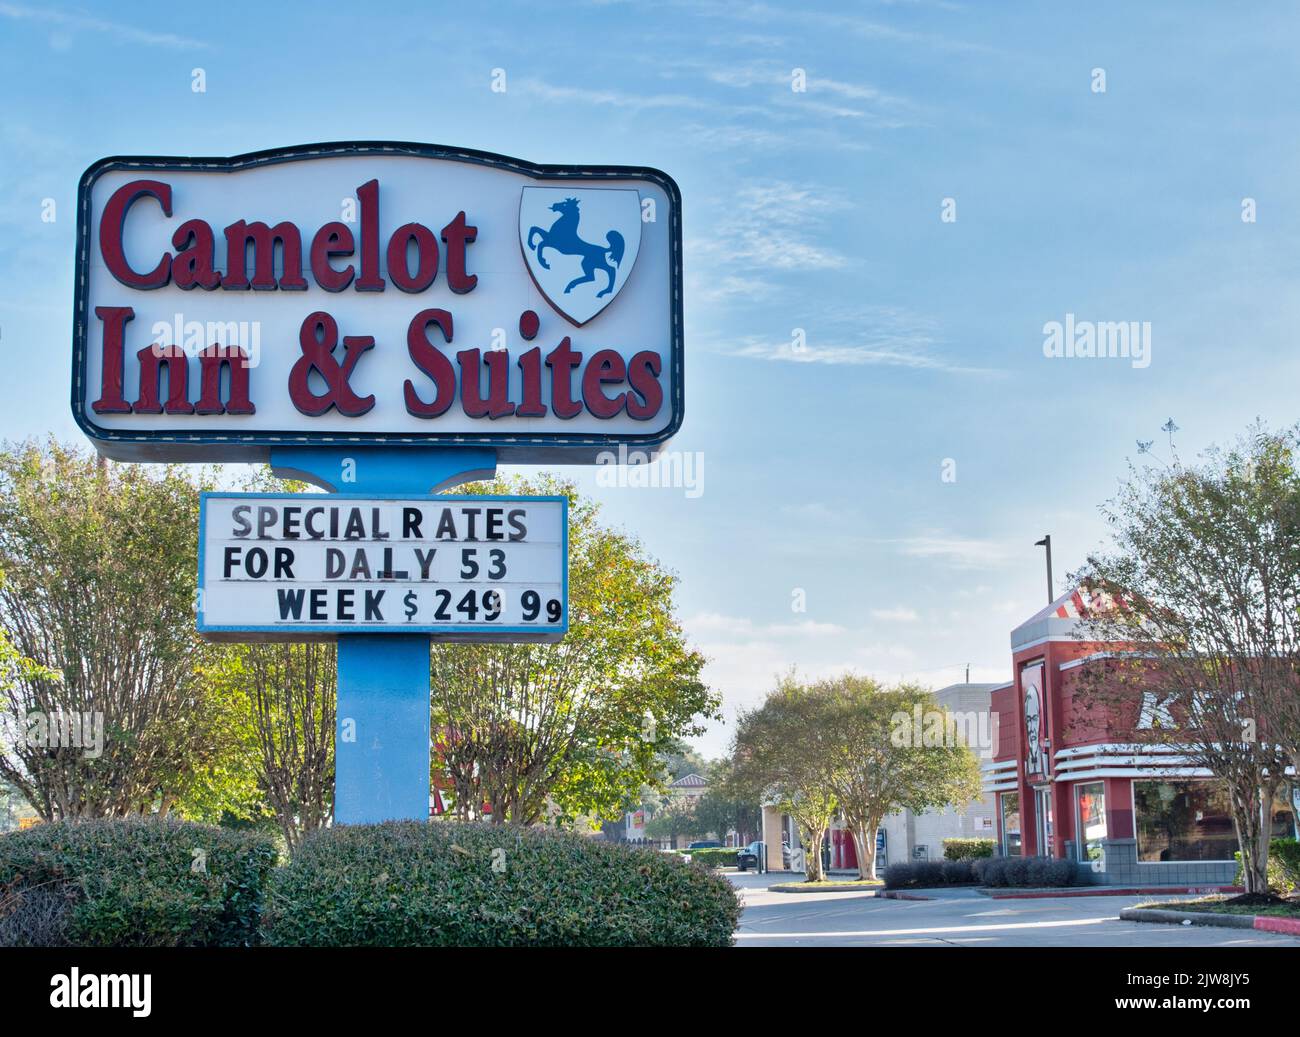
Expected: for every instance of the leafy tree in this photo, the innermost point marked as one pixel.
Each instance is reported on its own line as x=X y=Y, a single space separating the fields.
x=676 y=818
x=101 y=577
x=574 y=728
x=721 y=810
x=285 y=698
x=878 y=766
x=1203 y=586
x=781 y=754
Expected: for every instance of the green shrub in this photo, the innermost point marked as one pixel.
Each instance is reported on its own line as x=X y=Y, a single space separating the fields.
x=414 y=884
x=1016 y=871
x=967 y=849
x=715 y=857
x=928 y=874
x=132 y=882
x=1283 y=866
x=1000 y=872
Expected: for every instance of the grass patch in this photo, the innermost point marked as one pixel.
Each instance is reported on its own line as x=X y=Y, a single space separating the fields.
x=827 y=886
x=1218 y=905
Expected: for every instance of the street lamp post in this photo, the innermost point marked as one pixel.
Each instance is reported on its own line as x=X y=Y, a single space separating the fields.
x=1047 y=543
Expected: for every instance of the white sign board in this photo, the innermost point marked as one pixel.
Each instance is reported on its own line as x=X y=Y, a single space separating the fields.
x=376 y=294
x=294 y=567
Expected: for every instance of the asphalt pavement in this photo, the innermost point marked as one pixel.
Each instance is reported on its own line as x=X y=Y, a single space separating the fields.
x=963 y=918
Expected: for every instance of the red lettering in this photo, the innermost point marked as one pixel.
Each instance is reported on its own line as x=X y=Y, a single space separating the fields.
x=562 y=360
x=531 y=366
x=426 y=251
x=193 y=266
x=369 y=281
x=211 y=360
x=110 y=233
x=263 y=240
x=431 y=361
x=152 y=358
x=497 y=404
x=643 y=376
x=605 y=367
x=457 y=235
x=114 y=319
x=333 y=239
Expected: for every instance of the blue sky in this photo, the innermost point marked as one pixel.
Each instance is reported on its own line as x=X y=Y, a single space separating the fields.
x=817 y=210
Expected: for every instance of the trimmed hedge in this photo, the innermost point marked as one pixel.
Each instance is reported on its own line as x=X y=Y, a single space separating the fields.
x=413 y=884
x=1283 y=866
x=928 y=874
x=1025 y=871
x=715 y=856
x=132 y=882
x=967 y=849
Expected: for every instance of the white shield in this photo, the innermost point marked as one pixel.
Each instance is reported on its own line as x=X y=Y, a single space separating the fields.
x=580 y=245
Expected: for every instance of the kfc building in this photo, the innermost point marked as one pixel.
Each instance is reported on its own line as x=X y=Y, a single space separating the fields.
x=1070 y=780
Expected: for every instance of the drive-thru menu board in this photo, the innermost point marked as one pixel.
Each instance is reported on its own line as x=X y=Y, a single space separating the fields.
x=461 y=568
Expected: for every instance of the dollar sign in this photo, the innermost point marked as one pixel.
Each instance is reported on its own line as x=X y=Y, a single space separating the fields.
x=409 y=602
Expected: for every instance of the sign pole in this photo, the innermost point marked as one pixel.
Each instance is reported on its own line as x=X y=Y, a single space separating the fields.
x=381 y=736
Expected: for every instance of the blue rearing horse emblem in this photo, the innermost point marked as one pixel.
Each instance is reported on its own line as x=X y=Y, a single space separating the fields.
x=563 y=237
x=560 y=235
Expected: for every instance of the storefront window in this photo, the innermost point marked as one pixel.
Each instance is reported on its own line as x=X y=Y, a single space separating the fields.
x=1091 y=801
x=1011 y=824
x=1191 y=821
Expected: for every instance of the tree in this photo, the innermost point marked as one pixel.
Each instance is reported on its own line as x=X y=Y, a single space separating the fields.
x=879 y=764
x=721 y=810
x=782 y=754
x=100 y=564
x=1203 y=588
x=573 y=728
x=676 y=817
x=287 y=697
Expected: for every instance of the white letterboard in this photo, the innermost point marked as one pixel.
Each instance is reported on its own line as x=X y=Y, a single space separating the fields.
x=293 y=567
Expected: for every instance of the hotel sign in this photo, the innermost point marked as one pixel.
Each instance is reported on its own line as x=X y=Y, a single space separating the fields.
x=395 y=295
x=295 y=567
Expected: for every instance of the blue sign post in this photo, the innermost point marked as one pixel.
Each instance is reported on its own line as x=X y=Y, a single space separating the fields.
x=381 y=744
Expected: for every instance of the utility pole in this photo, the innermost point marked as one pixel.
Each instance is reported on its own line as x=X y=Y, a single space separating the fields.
x=1047 y=543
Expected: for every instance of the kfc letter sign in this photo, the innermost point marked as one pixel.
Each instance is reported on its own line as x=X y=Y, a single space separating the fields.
x=375 y=294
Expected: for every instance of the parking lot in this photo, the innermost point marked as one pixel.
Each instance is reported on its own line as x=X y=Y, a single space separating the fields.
x=962 y=918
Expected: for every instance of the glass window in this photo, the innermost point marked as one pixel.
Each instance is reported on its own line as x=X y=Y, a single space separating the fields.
x=1091 y=800
x=1011 y=824
x=1191 y=821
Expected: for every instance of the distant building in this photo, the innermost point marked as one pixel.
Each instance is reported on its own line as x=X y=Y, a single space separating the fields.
x=919 y=837
x=688 y=787
x=1077 y=779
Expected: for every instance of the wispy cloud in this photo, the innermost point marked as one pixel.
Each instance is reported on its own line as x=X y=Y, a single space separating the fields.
x=719 y=626
x=79 y=22
x=961 y=552
x=771 y=226
x=901 y=614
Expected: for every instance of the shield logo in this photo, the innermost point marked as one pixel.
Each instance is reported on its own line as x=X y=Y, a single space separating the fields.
x=580 y=245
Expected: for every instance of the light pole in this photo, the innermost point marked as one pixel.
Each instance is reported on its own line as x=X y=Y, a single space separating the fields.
x=1047 y=543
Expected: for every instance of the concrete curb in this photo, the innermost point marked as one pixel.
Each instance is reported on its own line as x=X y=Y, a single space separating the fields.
x=802 y=889
x=894 y=894
x=1264 y=923
x=1151 y=914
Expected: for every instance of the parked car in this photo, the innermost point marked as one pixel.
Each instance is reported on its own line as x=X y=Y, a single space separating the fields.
x=705 y=844
x=748 y=857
